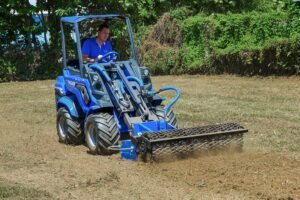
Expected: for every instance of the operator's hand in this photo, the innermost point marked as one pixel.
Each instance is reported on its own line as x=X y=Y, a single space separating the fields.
x=99 y=57
x=92 y=60
x=86 y=59
x=89 y=60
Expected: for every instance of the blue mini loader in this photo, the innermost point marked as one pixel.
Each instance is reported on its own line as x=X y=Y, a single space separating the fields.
x=112 y=106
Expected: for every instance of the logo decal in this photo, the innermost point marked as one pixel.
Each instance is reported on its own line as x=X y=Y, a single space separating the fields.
x=71 y=83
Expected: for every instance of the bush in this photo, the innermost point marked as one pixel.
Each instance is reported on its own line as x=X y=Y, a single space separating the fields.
x=280 y=57
x=160 y=59
x=253 y=43
x=242 y=41
x=17 y=63
x=7 y=70
x=160 y=47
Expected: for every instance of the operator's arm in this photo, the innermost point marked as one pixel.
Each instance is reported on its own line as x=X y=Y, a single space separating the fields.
x=86 y=59
x=86 y=51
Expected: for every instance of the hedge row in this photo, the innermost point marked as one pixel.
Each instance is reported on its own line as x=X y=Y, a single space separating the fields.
x=252 y=43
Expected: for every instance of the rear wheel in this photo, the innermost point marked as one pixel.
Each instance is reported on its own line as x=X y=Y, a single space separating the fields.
x=101 y=132
x=170 y=117
x=69 y=130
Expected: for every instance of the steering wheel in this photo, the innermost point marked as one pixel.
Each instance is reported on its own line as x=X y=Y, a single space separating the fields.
x=111 y=56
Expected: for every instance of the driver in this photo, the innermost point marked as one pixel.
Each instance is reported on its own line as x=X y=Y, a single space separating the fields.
x=93 y=49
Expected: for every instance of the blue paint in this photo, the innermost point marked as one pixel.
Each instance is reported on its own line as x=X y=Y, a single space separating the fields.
x=110 y=56
x=77 y=19
x=101 y=71
x=151 y=126
x=174 y=100
x=115 y=78
x=128 y=150
x=132 y=78
x=60 y=85
x=120 y=123
x=69 y=104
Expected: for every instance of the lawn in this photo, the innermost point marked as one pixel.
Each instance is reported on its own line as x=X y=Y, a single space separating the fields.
x=34 y=165
x=268 y=107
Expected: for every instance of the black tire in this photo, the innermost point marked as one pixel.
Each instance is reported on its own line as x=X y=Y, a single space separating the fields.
x=170 y=117
x=101 y=132
x=69 y=130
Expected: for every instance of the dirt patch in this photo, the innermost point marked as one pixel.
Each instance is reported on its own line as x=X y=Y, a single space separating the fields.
x=255 y=175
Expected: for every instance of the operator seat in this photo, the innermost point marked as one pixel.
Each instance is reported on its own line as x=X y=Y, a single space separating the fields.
x=73 y=64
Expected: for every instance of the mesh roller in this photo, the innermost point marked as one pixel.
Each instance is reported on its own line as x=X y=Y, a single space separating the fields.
x=187 y=140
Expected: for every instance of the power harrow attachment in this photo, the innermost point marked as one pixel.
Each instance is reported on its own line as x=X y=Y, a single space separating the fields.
x=191 y=140
x=112 y=106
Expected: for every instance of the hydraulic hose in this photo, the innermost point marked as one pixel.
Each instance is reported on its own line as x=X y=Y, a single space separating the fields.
x=174 y=100
x=138 y=81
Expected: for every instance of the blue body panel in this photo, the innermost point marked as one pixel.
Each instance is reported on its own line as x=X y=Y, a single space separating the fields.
x=151 y=126
x=69 y=104
x=77 y=19
x=71 y=82
x=128 y=150
x=60 y=85
x=66 y=85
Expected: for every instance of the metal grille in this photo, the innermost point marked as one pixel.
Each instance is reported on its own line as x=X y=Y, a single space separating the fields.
x=206 y=143
x=184 y=141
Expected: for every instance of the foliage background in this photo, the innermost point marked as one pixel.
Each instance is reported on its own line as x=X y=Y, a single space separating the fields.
x=248 y=37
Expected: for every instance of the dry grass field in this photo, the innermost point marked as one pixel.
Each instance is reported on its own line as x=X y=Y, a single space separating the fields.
x=33 y=165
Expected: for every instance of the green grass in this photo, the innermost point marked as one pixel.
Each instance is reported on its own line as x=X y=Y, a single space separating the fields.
x=9 y=191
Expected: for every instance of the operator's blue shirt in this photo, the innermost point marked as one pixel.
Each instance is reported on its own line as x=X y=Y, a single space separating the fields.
x=93 y=49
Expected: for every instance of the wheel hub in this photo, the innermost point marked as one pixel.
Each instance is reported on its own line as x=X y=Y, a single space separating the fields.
x=62 y=127
x=92 y=137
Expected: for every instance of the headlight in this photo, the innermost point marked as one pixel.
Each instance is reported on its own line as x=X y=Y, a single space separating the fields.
x=95 y=78
x=146 y=72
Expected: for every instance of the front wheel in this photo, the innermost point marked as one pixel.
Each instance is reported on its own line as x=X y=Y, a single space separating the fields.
x=101 y=132
x=69 y=130
x=170 y=117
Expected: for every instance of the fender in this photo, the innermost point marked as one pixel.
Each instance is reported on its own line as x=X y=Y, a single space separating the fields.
x=60 y=86
x=97 y=108
x=69 y=104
